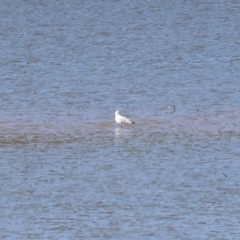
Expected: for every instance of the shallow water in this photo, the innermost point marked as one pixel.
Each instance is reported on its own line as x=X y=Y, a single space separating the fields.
x=68 y=171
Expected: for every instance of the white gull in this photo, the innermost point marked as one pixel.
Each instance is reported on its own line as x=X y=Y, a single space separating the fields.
x=121 y=119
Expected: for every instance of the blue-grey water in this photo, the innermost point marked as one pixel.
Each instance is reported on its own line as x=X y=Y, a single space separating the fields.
x=67 y=171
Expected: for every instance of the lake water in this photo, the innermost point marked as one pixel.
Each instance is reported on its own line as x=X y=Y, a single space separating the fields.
x=68 y=171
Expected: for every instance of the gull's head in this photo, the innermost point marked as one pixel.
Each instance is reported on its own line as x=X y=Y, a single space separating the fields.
x=117 y=112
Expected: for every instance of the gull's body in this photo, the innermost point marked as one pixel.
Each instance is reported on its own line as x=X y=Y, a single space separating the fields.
x=121 y=119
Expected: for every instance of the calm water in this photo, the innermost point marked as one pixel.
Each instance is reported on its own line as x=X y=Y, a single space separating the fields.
x=68 y=171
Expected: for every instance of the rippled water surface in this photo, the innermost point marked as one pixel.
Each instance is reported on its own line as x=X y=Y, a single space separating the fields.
x=68 y=171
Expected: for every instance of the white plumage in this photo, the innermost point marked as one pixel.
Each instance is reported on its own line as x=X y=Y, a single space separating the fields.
x=121 y=119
